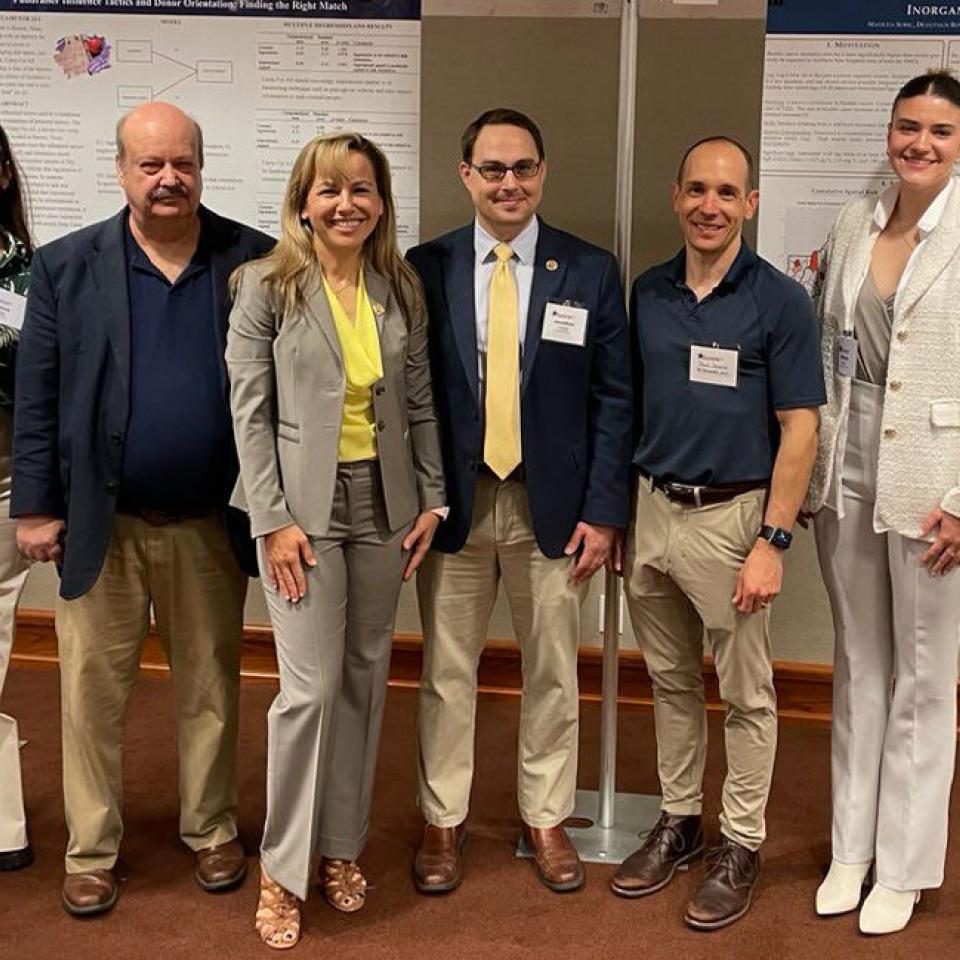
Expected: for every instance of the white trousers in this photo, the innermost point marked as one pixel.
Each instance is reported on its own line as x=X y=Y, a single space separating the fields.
x=13 y=573
x=895 y=679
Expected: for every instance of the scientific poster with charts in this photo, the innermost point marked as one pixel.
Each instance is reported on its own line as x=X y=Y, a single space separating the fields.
x=831 y=72
x=260 y=76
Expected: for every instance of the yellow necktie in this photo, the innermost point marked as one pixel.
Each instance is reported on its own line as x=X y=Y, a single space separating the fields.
x=501 y=445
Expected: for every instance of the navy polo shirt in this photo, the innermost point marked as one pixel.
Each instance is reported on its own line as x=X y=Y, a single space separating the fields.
x=178 y=432
x=700 y=433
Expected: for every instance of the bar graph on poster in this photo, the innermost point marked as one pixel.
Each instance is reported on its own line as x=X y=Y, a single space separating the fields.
x=831 y=71
x=260 y=76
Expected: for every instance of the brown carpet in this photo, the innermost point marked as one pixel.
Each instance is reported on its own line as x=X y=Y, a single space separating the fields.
x=501 y=911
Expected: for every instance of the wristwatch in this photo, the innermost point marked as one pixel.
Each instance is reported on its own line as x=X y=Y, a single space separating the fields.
x=777 y=536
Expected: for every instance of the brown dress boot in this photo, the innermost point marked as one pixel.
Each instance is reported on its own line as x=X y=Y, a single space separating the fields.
x=670 y=846
x=438 y=865
x=88 y=893
x=727 y=886
x=557 y=861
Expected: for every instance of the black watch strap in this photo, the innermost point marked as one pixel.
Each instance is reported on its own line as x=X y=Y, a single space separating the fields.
x=777 y=536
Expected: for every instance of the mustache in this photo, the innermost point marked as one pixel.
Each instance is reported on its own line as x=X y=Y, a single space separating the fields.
x=164 y=193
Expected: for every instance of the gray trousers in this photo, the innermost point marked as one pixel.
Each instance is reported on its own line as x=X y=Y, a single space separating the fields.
x=333 y=651
x=894 y=680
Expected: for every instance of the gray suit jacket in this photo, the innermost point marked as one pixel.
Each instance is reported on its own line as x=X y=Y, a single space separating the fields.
x=287 y=385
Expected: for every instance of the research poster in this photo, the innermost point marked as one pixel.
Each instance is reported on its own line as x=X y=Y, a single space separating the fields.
x=831 y=71
x=260 y=76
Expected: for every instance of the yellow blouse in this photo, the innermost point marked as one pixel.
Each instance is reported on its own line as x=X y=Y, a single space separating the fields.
x=360 y=349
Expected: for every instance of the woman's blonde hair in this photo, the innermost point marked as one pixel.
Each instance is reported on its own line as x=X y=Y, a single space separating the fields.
x=292 y=259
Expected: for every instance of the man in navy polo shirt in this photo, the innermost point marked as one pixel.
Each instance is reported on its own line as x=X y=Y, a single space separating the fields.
x=728 y=379
x=123 y=465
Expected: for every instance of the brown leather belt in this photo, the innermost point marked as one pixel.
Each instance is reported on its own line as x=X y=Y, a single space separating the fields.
x=702 y=496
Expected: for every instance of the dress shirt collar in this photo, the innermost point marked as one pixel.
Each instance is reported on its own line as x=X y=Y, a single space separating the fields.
x=931 y=216
x=523 y=245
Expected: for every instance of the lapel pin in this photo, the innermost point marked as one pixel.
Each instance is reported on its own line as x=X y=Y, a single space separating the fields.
x=552 y=265
x=377 y=309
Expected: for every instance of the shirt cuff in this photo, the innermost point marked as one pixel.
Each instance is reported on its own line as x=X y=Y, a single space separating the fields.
x=441 y=512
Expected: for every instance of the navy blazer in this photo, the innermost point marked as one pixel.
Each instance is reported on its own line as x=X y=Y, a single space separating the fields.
x=575 y=402
x=73 y=386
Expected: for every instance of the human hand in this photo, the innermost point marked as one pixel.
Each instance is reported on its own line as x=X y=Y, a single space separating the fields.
x=287 y=550
x=944 y=553
x=596 y=546
x=39 y=537
x=760 y=579
x=419 y=539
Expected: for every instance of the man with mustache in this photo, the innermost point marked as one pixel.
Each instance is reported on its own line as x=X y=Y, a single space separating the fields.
x=123 y=465
x=728 y=380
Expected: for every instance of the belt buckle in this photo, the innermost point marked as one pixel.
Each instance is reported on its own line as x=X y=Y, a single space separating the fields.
x=686 y=490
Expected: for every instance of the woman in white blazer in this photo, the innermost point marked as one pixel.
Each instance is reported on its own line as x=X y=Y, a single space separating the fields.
x=340 y=472
x=886 y=495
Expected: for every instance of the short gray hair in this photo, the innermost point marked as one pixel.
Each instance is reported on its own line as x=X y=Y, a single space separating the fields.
x=122 y=149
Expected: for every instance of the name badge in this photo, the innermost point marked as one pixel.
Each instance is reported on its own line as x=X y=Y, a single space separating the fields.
x=846 y=354
x=565 y=323
x=12 y=307
x=719 y=366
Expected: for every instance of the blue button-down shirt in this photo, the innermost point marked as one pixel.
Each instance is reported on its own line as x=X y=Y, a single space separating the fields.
x=702 y=433
x=178 y=433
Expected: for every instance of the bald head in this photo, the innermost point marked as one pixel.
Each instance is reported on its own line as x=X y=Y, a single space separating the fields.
x=157 y=115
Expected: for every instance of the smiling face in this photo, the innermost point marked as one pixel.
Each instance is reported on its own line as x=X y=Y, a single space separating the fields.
x=343 y=209
x=159 y=168
x=923 y=142
x=506 y=206
x=713 y=198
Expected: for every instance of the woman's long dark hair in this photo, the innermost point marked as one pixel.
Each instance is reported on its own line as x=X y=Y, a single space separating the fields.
x=13 y=215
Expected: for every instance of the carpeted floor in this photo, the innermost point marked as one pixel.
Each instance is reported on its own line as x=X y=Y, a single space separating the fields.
x=500 y=912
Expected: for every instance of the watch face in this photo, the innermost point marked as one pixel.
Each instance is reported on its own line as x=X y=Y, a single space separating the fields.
x=781 y=539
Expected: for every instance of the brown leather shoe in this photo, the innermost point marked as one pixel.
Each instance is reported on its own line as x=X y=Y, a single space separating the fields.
x=724 y=893
x=670 y=846
x=221 y=867
x=557 y=862
x=438 y=865
x=88 y=893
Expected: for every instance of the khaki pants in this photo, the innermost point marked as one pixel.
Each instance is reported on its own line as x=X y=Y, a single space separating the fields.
x=456 y=593
x=188 y=573
x=13 y=573
x=681 y=569
x=333 y=649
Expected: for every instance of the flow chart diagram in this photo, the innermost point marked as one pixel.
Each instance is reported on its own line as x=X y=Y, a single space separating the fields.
x=143 y=51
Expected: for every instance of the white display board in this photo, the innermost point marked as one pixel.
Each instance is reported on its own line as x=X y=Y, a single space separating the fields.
x=260 y=76
x=831 y=72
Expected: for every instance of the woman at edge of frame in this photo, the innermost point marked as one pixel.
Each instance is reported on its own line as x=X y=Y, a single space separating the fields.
x=341 y=474
x=886 y=497
x=16 y=253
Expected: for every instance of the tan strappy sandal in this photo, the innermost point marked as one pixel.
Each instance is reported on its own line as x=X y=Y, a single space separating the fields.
x=344 y=886
x=278 y=915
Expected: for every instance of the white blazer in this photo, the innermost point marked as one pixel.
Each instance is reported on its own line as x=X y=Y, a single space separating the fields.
x=919 y=457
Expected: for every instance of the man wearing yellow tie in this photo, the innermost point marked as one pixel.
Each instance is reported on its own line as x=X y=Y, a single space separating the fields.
x=531 y=366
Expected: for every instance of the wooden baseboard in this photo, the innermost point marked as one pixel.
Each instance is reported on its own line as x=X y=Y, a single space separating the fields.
x=803 y=689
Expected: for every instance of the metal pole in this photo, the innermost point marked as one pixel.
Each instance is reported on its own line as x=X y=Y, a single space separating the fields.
x=608 y=705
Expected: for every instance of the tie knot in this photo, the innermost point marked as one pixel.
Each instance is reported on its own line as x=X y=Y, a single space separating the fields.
x=503 y=252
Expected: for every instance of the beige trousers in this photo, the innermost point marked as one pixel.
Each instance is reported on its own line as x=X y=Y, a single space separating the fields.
x=681 y=569
x=188 y=573
x=456 y=593
x=895 y=677
x=13 y=573
x=333 y=649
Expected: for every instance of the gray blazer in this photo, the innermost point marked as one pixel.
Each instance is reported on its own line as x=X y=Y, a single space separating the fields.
x=287 y=385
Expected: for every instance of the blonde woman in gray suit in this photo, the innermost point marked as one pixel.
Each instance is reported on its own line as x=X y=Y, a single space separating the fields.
x=340 y=472
x=888 y=477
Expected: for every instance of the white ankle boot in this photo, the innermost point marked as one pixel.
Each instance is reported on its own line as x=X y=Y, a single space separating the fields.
x=841 y=888
x=886 y=910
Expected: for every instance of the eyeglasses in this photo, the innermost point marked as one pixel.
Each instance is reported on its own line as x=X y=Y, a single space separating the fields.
x=494 y=172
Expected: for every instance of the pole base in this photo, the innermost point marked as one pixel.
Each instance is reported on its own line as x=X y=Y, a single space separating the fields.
x=632 y=813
